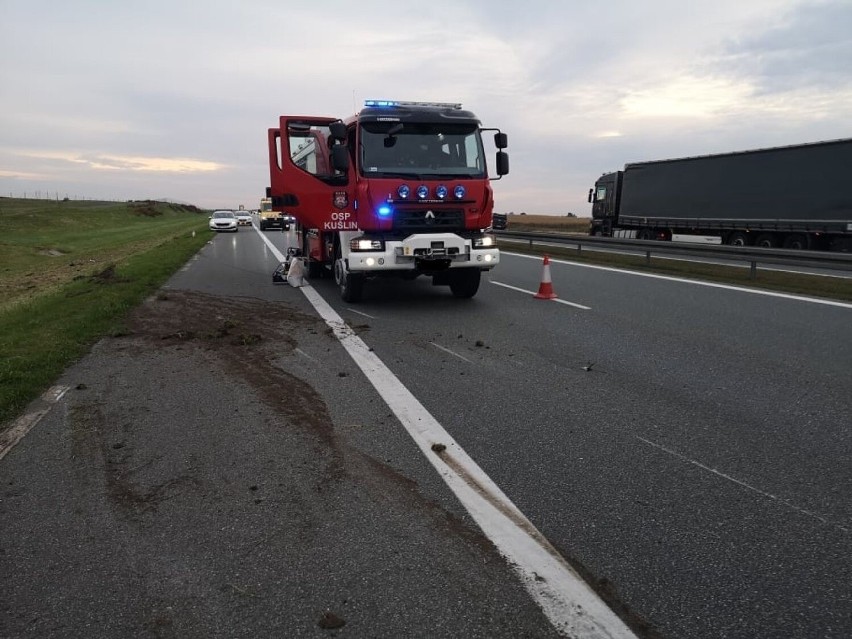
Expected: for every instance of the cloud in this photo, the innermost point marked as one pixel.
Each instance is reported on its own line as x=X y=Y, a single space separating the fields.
x=106 y=162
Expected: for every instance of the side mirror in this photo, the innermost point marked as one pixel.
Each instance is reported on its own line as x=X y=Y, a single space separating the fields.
x=590 y=194
x=502 y=163
x=500 y=140
x=337 y=130
x=340 y=158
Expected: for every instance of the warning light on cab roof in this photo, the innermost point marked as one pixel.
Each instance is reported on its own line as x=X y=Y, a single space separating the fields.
x=394 y=103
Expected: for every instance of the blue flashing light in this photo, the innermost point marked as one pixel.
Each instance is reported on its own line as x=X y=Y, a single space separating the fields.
x=384 y=210
x=381 y=103
x=422 y=191
x=403 y=191
x=459 y=192
x=441 y=191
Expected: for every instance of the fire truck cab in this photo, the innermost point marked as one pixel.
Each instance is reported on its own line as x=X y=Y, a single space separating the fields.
x=398 y=189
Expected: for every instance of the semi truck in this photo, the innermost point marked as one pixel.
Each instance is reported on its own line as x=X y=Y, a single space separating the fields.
x=399 y=189
x=793 y=197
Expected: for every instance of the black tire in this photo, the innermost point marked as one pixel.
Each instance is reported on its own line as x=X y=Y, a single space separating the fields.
x=797 y=242
x=351 y=285
x=464 y=282
x=738 y=238
x=646 y=234
x=766 y=240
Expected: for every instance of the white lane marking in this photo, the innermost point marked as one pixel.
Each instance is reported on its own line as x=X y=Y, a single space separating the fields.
x=730 y=287
x=453 y=353
x=763 y=493
x=523 y=290
x=25 y=423
x=569 y=603
x=352 y=310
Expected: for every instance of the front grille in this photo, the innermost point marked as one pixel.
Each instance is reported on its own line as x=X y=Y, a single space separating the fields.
x=427 y=219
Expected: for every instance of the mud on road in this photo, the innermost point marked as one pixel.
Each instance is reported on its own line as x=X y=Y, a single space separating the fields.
x=194 y=485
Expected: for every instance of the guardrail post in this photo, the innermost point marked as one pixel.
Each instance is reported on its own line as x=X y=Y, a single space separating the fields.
x=648 y=257
x=753 y=273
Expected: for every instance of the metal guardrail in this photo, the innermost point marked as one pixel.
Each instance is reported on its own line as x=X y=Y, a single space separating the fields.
x=749 y=254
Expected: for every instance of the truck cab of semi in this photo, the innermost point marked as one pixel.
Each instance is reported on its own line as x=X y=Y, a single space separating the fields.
x=604 y=198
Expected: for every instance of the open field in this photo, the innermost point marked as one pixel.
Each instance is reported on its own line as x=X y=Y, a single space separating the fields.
x=69 y=273
x=549 y=223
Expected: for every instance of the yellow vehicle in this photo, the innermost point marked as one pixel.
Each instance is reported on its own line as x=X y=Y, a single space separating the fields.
x=270 y=219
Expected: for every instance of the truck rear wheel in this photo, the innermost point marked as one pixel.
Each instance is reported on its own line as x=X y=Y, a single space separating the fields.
x=797 y=242
x=766 y=240
x=464 y=282
x=351 y=285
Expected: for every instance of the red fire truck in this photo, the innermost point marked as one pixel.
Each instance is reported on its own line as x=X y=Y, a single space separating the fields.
x=399 y=189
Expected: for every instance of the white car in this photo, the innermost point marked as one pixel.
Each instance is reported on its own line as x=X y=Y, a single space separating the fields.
x=223 y=221
x=244 y=218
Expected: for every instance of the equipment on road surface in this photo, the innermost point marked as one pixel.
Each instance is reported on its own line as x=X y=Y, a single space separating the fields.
x=398 y=189
x=795 y=197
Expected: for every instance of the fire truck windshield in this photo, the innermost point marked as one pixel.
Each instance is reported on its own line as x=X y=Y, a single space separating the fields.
x=388 y=149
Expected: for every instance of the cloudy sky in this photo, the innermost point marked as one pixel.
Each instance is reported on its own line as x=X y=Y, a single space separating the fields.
x=171 y=99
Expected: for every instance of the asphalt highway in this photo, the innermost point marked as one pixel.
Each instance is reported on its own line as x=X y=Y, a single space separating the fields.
x=227 y=468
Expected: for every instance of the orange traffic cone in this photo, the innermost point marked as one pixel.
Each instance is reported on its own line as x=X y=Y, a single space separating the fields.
x=545 y=289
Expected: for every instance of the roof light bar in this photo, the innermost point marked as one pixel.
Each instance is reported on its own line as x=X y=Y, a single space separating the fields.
x=394 y=103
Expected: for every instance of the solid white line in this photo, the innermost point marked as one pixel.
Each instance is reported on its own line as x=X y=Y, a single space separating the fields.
x=742 y=289
x=523 y=290
x=569 y=603
x=763 y=493
x=25 y=423
x=447 y=350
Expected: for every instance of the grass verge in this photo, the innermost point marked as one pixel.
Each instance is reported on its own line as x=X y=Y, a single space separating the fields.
x=40 y=336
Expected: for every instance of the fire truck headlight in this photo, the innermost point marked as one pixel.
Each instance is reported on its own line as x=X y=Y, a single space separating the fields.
x=441 y=192
x=365 y=244
x=484 y=241
x=403 y=191
x=422 y=191
x=459 y=192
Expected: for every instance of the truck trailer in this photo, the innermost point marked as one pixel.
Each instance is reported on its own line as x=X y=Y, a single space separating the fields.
x=794 y=197
x=399 y=189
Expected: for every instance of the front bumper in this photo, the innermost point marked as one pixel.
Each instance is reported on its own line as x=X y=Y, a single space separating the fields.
x=425 y=252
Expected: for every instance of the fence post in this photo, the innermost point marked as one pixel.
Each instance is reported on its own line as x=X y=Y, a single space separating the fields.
x=753 y=273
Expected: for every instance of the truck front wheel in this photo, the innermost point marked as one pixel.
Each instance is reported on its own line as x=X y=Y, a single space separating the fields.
x=351 y=285
x=464 y=282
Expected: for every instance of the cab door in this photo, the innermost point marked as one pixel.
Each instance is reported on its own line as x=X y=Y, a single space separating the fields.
x=304 y=182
